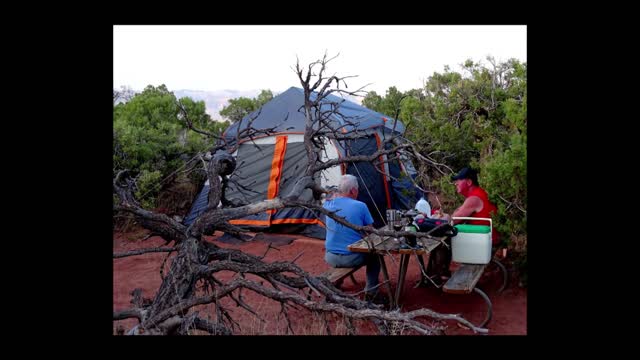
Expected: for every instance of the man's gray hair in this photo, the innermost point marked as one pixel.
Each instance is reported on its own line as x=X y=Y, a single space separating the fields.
x=347 y=182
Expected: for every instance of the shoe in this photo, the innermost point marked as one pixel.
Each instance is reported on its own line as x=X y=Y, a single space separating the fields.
x=377 y=298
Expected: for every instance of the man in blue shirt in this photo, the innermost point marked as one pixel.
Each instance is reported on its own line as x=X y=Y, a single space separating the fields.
x=344 y=203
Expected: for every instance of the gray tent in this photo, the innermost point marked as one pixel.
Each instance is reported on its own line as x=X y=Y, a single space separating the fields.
x=268 y=166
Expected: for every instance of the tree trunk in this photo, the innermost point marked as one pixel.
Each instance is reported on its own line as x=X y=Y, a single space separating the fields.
x=180 y=282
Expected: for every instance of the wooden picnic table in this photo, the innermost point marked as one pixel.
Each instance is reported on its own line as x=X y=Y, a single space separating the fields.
x=386 y=245
x=462 y=281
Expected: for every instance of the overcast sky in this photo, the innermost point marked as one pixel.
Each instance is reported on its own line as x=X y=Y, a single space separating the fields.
x=262 y=57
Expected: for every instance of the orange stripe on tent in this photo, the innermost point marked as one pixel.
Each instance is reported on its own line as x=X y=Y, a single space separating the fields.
x=276 y=169
x=297 y=221
x=384 y=178
x=249 y=222
x=266 y=136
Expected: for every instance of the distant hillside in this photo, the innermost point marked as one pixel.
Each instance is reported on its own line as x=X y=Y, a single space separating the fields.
x=215 y=100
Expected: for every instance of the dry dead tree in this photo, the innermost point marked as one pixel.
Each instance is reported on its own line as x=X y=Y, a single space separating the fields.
x=192 y=279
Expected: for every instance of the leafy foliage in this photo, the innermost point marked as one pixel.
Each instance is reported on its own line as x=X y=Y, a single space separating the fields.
x=150 y=138
x=475 y=117
x=148 y=187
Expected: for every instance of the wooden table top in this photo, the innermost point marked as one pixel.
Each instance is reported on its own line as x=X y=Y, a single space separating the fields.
x=384 y=244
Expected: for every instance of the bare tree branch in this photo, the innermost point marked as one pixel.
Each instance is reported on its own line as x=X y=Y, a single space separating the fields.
x=212 y=328
x=126 y=314
x=512 y=203
x=189 y=123
x=142 y=251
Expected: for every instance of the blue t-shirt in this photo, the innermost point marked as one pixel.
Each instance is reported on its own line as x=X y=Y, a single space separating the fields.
x=338 y=235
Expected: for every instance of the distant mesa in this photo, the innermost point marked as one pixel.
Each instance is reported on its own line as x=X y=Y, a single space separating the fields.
x=215 y=100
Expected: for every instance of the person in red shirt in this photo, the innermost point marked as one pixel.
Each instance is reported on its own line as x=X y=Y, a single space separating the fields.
x=476 y=202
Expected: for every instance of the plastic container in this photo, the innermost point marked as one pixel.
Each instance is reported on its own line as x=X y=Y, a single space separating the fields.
x=423 y=206
x=472 y=245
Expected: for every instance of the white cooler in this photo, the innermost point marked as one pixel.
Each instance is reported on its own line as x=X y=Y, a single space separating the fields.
x=472 y=244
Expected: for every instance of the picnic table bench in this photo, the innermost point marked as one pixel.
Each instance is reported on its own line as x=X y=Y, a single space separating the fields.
x=464 y=281
x=337 y=275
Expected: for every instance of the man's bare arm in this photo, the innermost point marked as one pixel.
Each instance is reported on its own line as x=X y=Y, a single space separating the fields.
x=471 y=204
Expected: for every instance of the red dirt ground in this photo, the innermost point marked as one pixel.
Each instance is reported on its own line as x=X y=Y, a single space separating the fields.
x=143 y=271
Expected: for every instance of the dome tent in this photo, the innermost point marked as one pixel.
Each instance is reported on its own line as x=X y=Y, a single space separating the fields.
x=268 y=166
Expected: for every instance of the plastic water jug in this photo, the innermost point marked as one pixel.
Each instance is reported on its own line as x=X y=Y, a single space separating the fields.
x=472 y=245
x=423 y=206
